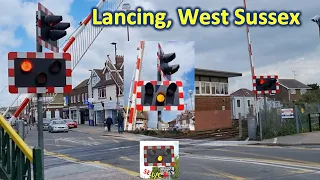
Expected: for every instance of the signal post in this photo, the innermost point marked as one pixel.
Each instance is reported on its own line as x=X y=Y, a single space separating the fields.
x=39 y=73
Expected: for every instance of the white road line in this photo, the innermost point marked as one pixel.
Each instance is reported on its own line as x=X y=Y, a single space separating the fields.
x=287 y=165
x=247 y=139
x=57 y=145
x=75 y=141
x=275 y=140
x=94 y=142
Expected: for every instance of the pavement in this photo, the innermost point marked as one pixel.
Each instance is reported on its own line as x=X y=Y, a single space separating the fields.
x=97 y=154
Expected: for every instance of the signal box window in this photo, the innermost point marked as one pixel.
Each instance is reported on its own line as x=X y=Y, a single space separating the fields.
x=197 y=86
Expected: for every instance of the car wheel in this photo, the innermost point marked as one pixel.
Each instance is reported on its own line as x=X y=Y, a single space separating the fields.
x=67 y=131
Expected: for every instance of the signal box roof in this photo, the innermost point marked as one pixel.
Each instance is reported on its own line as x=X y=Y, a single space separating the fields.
x=216 y=73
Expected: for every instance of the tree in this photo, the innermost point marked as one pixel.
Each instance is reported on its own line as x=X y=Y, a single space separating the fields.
x=314 y=86
x=311 y=96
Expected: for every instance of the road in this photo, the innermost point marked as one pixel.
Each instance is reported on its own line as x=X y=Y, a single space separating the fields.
x=196 y=162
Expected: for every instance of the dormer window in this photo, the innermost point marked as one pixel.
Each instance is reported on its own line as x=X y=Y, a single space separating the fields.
x=108 y=76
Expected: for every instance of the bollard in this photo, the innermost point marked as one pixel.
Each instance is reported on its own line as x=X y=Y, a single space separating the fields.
x=20 y=128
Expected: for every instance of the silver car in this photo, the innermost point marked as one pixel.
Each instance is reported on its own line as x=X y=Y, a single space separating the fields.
x=58 y=126
x=46 y=123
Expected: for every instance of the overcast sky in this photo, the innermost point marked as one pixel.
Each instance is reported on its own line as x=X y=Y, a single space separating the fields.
x=185 y=57
x=276 y=50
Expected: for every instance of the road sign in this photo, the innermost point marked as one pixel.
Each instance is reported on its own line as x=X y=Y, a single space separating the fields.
x=265 y=84
x=160 y=95
x=287 y=113
x=168 y=170
x=34 y=72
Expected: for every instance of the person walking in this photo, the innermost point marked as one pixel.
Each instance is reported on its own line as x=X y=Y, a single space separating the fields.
x=120 y=124
x=109 y=122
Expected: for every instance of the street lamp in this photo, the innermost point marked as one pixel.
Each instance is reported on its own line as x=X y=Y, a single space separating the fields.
x=316 y=19
x=116 y=78
x=127 y=7
x=91 y=116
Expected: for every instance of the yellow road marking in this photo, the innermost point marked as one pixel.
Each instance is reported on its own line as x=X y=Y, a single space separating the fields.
x=279 y=158
x=126 y=158
x=133 y=173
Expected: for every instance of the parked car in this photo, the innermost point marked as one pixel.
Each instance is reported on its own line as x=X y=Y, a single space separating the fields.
x=46 y=123
x=70 y=123
x=58 y=126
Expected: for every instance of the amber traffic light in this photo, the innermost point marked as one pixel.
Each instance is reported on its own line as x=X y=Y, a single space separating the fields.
x=26 y=66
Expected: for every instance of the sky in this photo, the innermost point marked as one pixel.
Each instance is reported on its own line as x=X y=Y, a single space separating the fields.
x=276 y=50
x=185 y=57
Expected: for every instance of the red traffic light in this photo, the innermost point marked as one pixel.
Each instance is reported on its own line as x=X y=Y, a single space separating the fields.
x=26 y=66
x=261 y=81
x=55 y=66
x=41 y=78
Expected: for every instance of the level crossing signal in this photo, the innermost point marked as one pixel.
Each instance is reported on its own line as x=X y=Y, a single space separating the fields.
x=33 y=72
x=266 y=85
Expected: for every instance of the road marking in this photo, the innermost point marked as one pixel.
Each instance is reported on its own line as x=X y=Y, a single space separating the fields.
x=92 y=163
x=275 y=140
x=115 y=141
x=223 y=174
x=104 y=151
x=126 y=158
x=263 y=162
x=57 y=145
x=279 y=158
x=247 y=139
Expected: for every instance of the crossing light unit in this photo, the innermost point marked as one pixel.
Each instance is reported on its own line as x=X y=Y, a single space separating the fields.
x=50 y=28
x=163 y=60
x=33 y=72
x=158 y=155
x=266 y=85
x=160 y=95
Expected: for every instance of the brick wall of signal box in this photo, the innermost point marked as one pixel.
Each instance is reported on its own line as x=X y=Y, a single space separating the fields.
x=209 y=114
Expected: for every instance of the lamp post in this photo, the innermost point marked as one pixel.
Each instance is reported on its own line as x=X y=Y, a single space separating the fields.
x=127 y=7
x=190 y=96
x=116 y=78
x=316 y=19
x=91 y=116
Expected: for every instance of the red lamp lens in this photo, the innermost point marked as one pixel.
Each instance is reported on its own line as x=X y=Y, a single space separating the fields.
x=26 y=65
x=41 y=78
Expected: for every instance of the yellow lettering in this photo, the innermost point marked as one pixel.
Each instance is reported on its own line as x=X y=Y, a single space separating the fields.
x=204 y=18
x=263 y=20
x=107 y=18
x=294 y=18
x=159 y=21
x=215 y=18
x=188 y=17
x=224 y=16
x=95 y=16
x=283 y=18
x=129 y=18
x=117 y=18
x=241 y=19
x=272 y=18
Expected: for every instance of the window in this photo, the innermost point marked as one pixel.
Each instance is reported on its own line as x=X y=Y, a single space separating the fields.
x=213 y=88
x=82 y=97
x=226 y=89
x=238 y=103
x=102 y=92
x=207 y=84
x=197 y=86
x=71 y=99
x=78 y=97
x=249 y=103
x=292 y=91
x=74 y=99
x=108 y=77
x=86 y=96
x=203 y=87
x=303 y=91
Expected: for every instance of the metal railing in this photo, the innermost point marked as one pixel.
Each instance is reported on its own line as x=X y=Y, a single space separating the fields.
x=18 y=161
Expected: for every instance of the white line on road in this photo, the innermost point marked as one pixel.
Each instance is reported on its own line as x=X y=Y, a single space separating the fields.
x=75 y=141
x=275 y=140
x=57 y=145
x=247 y=139
x=104 y=151
x=94 y=142
x=288 y=165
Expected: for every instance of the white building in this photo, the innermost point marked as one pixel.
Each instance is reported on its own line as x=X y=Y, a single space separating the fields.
x=102 y=88
x=242 y=99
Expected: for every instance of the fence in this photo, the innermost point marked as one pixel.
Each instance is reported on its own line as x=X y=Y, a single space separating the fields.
x=306 y=116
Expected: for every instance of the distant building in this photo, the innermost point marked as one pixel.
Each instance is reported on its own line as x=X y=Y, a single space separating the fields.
x=212 y=100
x=185 y=120
x=241 y=101
x=290 y=90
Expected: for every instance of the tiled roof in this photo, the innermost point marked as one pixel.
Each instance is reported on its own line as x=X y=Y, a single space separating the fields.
x=84 y=83
x=293 y=84
x=242 y=93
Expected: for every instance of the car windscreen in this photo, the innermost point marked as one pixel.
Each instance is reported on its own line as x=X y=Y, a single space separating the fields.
x=58 y=122
x=68 y=120
x=46 y=121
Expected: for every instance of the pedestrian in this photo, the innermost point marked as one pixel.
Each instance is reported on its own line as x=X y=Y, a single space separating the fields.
x=109 y=122
x=120 y=124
